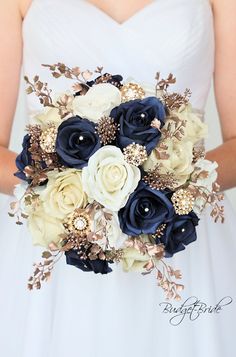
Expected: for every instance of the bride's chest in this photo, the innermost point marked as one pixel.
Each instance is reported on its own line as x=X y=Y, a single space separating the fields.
x=166 y=35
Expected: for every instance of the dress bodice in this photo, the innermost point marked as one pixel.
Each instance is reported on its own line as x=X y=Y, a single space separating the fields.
x=167 y=36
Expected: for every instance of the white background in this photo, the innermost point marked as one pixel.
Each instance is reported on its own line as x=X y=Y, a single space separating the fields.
x=211 y=118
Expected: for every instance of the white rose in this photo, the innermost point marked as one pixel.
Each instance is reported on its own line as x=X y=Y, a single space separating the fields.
x=114 y=235
x=195 y=129
x=44 y=228
x=109 y=179
x=63 y=193
x=97 y=102
x=179 y=162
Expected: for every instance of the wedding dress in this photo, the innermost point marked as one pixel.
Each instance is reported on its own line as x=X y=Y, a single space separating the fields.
x=119 y=314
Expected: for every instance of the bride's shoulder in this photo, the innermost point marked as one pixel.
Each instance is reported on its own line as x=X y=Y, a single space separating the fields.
x=24 y=6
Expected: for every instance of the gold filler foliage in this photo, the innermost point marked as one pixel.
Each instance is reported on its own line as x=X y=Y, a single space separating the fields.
x=41 y=90
x=48 y=139
x=42 y=271
x=165 y=274
x=131 y=91
x=135 y=154
x=160 y=231
x=171 y=100
x=183 y=201
x=159 y=181
x=165 y=278
x=107 y=129
x=35 y=171
x=61 y=70
x=174 y=128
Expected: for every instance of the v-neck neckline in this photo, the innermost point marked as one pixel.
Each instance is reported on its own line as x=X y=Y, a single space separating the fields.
x=135 y=15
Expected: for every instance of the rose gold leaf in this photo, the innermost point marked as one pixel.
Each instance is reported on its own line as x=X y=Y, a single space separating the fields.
x=108 y=216
x=29 y=90
x=177 y=274
x=68 y=75
x=36 y=271
x=46 y=255
x=39 y=86
x=56 y=74
x=203 y=174
x=177 y=297
x=179 y=287
x=75 y=71
x=149 y=265
x=86 y=75
x=47 y=275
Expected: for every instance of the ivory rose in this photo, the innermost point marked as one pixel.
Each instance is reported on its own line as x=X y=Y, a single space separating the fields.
x=179 y=162
x=63 y=193
x=109 y=179
x=97 y=102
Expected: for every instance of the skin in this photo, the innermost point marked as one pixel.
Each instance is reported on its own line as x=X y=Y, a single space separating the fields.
x=13 y=11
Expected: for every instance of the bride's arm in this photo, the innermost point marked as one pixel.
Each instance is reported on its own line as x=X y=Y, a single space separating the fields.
x=225 y=89
x=10 y=66
x=11 y=15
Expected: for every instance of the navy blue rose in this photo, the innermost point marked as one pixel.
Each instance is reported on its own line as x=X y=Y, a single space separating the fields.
x=23 y=159
x=76 y=142
x=135 y=118
x=97 y=265
x=145 y=210
x=179 y=233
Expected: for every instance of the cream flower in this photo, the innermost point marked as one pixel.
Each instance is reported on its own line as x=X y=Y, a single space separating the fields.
x=133 y=260
x=49 y=115
x=109 y=179
x=44 y=228
x=97 y=102
x=195 y=129
x=114 y=236
x=179 y=162
x=63 y=193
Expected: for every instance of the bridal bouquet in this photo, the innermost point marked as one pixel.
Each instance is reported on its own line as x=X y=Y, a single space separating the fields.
x=113 y=172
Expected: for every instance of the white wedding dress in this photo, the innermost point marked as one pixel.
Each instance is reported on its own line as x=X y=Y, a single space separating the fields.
x=83 y=314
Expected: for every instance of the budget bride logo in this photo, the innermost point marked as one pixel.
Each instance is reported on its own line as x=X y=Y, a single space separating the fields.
x=192 y=309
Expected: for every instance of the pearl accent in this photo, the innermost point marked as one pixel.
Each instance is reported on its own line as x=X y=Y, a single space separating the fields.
x=80 y=223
